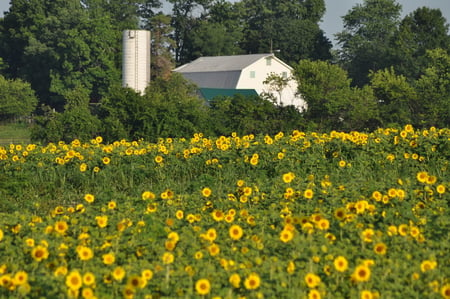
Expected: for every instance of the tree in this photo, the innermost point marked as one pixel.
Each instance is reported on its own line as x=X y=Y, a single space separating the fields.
x=216 y=32
x=57 y=45
x=422 y=30
x=276 y=83
x=169 y=108
x=367 y=37
x=182 y=21
x=161 y=61
x=396 y=97
x=269 y=26
x=433 y=90
x=331 y=103
x=17 y=99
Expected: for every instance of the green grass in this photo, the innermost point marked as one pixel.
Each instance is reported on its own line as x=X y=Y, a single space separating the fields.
x=14 y=133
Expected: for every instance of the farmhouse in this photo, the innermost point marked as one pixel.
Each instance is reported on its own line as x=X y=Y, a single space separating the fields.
x=224 y=75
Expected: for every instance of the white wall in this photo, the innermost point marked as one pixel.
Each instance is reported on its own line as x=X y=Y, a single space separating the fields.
x=261 y=72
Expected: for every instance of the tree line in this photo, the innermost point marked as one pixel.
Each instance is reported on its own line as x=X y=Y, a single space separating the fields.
x=61 y=61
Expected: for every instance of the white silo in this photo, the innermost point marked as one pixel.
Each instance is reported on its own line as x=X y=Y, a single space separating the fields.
x=136 y=59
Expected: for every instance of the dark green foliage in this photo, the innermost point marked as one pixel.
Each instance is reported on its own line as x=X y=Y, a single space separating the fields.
x=17 y=99
x=76 y=122
x=332 y=102
x=252 y=115
x=422 y=30
x=170 y=108
x=367 y=37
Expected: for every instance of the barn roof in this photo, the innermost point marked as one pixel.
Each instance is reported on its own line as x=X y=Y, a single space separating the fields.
x=221 y=63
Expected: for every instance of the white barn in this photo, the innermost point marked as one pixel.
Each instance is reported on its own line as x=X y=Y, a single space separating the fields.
x=243 y=72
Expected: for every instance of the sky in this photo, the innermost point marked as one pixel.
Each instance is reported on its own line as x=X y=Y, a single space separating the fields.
x=332 y=21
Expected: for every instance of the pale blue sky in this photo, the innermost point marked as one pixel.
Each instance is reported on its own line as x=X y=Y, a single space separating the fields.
x=332 y=22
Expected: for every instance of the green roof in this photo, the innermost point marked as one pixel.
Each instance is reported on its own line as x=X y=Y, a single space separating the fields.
x=210 y=93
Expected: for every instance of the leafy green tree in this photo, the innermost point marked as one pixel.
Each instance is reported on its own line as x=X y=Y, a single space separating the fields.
x=57 y=45
x=367 y=37
x=276 y=83
x=76 y=122
x=183 y=21
x=269 y=26
x=422 y=30
x=162 y=61
x=169 y=108
x=397 y=98
x=433 y=89
x=331 y=102
x=216 y=32
x=242 y=114
x=17 y=99
x=252 y=115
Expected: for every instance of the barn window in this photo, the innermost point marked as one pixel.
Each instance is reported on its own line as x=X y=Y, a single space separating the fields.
x=252 y=74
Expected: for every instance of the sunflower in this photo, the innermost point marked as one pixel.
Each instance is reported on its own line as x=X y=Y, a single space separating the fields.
x=102 y=221
x=314 y=294
x=367 y=235
x=341 y=264
x=74 y=281
x=213 y=249
x=235 y=280
x=61 y=226
x=288 y=177
x=323 y=224
x=112 y=205
x=118 y=273
x=109 y=258
x=168 y=258
x=89 y=198
x=361 y=273
x=286 y=235
x=85 y=253
x=308 y=193
x=428 y=265
x=83 y=167
x=39 y=253
x=106 y=160
x=179 y=214
x=252 y=282
x=20 y=278
x=340 y=214
x=445 y=291
x=377 y=195
x=365 y=294
x=147 y=274
x=380 y=248
x=211 y=235
x=422 y=176
x=312 y=280
x=235 y=232
x=87 y=293
x=217 y=215
x=159 y=159
x=88 y=278
x=290 y=267
x=203 y=286
x=60 y=271
x=136 y=282
x=440 y=189
x=431 y=179
x=206 y=192
x=148 y=195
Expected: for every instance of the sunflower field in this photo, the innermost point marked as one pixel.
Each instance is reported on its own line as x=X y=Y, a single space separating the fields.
x=294 y=215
